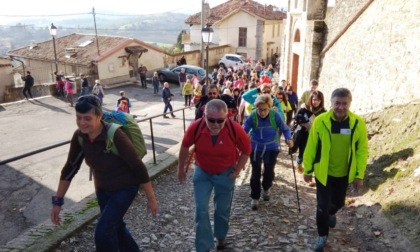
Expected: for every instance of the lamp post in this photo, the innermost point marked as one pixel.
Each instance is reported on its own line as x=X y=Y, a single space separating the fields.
x=53 y=32
x=207 y=35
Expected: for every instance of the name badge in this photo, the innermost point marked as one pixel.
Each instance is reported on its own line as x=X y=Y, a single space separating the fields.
x=345 y=131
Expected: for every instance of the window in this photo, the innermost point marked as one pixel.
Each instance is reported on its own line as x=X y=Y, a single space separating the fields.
x=242 y=36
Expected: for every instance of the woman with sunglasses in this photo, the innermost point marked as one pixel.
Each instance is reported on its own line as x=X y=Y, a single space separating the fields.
x=116 y=177
x=264 y=125
x=251 y=95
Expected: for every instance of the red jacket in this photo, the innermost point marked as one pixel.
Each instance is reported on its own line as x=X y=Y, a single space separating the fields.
x=216 y=158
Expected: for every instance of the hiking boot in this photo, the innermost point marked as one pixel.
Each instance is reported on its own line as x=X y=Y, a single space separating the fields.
x=266 y=195
x=300 y=169
x=173 y=116
x=221 y=245
x=320 y=243
x=165 y=116
x=332 y=221
x=254 y=204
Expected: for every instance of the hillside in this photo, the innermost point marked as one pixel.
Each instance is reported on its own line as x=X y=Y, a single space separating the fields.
x=158 y=28
x=391 y=199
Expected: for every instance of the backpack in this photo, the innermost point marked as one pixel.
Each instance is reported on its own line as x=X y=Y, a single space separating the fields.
x=272 y=118
x=127 y=122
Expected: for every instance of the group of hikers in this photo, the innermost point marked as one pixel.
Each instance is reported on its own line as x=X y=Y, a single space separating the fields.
x=66 y=87
x=238 y=119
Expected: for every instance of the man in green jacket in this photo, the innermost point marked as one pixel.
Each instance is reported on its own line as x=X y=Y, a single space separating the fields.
x=337 y=152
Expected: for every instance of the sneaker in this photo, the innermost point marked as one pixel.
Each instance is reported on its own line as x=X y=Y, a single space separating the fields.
x=300 y=169
x=266 y=196
x=320 y=243
x=254 y=204
x=332 y=221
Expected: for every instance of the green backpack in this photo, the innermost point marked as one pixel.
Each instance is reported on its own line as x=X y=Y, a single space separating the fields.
x=272 y=118
x=128 y=123
x=271 y=114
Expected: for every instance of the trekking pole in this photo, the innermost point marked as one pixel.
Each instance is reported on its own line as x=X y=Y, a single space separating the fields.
x=294 y=174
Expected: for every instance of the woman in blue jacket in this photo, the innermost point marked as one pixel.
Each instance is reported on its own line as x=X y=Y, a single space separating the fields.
x=264 y=125
x=251 y=95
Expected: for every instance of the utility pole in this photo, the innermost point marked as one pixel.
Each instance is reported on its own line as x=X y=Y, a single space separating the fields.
x=96 y=31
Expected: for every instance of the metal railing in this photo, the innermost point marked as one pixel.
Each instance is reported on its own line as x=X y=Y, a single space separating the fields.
x=31 y=153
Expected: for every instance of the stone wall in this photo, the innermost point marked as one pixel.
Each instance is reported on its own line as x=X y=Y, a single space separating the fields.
x=15 y=93
x=341 y=15
x=378 y=57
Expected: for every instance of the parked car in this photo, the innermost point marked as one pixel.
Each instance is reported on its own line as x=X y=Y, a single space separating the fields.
x=233 y=60
x=172 y=75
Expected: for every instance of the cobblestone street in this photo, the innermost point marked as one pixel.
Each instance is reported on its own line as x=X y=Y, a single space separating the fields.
x=276 y=226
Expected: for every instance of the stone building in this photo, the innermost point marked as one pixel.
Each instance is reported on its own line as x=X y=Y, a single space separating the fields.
x=370 y=47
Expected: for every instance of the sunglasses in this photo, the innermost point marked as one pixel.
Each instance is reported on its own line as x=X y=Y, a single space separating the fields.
x=212 y=93
x=91 y=99
x=216 y=120
x=266 y=92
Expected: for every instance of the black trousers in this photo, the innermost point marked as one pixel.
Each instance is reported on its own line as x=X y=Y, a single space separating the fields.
x=330 y=199
x=27 y=89
x=269 y=159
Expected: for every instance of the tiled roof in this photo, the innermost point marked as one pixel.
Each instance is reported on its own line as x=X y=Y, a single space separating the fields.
x=84 y=54
x=223 y=10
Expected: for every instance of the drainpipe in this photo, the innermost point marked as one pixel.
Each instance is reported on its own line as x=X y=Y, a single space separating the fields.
x=23 y=64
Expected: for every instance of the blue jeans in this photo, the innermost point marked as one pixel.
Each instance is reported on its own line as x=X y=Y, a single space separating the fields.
x=167 y=106
x=143 y=81
x=111 y=233
x=223 y=186
x=269 y=159
x=155 y=87
x=84 y=91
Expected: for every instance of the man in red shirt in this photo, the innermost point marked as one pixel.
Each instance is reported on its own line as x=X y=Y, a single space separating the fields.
x=222 y=149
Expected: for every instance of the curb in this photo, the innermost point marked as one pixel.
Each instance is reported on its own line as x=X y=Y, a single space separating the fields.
x=46 y=236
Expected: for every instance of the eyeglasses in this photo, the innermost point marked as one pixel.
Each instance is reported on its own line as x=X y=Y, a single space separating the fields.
x=216 y=120
x=212 y=93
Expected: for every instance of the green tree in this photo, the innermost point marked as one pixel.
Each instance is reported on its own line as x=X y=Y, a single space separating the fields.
x=179 y=44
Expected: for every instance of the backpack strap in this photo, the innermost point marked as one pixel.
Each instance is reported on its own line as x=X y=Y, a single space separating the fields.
x=200 y=126
x=231 y=131
x=110 y=146
x=272 y=117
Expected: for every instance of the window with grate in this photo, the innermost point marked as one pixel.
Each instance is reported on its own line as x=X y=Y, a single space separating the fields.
x=242 y=36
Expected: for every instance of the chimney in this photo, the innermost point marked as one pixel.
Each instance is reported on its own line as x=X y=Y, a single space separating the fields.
x=33 y=44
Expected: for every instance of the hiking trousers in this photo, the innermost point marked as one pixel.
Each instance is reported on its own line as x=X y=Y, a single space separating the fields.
x=330 y=199
x=111 y=233
x=223 y=186
x=269 y=159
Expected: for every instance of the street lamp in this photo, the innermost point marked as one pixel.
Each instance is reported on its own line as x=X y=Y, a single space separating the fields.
x=207 y=35
x=53 y=32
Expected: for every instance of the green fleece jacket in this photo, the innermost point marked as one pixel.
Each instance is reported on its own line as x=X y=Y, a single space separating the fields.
x=317 y=151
